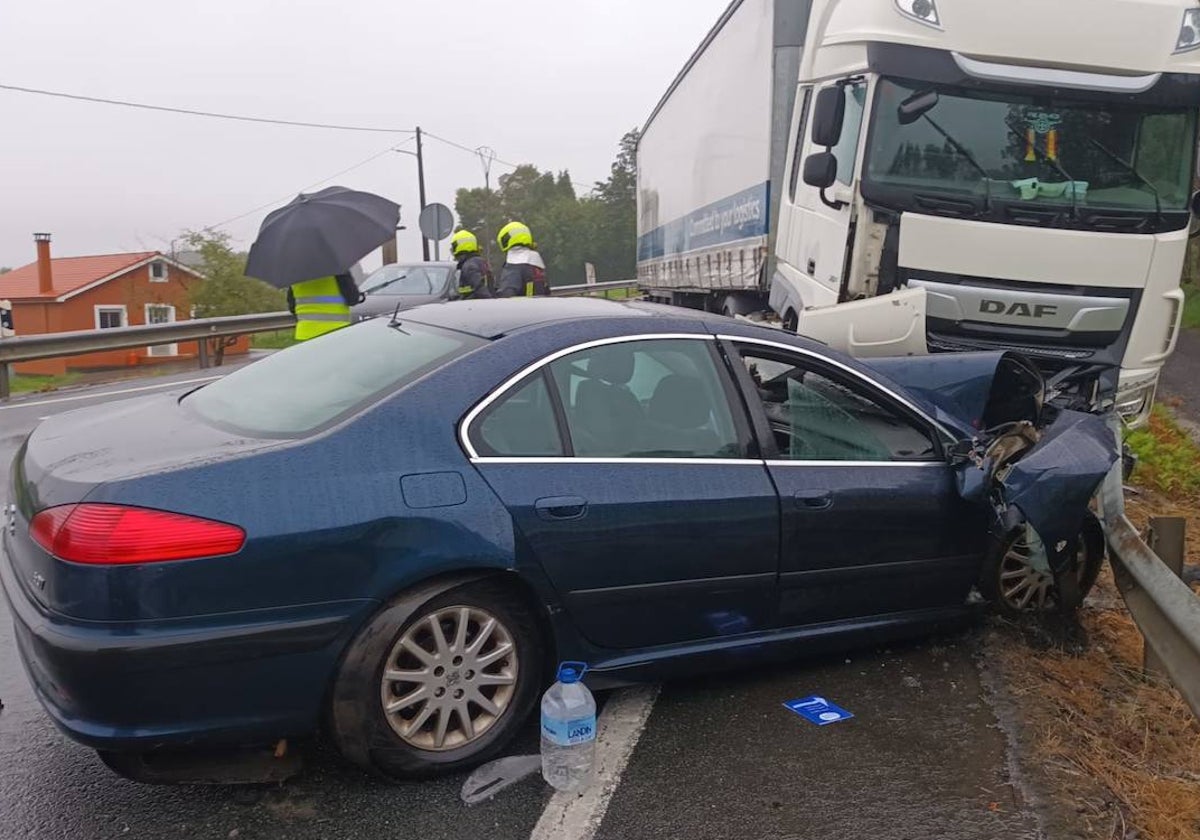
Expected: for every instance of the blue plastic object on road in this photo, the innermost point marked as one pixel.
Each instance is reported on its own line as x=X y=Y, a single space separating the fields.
x=568 y=730
x=818 y=710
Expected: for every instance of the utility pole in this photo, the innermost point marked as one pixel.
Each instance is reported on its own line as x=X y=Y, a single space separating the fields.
x=486 y=157
x=421 y=186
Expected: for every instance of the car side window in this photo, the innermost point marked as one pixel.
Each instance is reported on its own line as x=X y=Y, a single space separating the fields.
x=647 y=399
x=820 y=416
x=522 y=424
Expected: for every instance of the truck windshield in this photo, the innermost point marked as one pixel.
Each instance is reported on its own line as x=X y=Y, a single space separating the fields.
x=1041 y=156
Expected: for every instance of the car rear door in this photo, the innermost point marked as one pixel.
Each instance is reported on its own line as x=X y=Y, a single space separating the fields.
x=873 y=522
x=626 y=467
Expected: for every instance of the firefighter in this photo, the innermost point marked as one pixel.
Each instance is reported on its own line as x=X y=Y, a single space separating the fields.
x=524 y=272
x=323 y=305
x=474 y=273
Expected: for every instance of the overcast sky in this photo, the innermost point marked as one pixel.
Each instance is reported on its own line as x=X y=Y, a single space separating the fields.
x=542 y=81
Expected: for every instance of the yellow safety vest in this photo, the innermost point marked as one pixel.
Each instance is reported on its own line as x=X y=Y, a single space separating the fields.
x=320 y=308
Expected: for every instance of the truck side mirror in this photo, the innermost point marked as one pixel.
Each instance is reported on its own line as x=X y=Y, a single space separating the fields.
x=917 y=106
x=820 y=170
x=828 y=116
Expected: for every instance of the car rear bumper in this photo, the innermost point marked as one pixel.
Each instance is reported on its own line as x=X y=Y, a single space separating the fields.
x=233 y=679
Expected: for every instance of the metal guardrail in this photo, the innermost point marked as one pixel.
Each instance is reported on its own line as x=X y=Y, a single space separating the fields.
x=34 y=347
x=1165 y=608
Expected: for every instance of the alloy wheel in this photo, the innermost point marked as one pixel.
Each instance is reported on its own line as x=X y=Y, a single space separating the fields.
x=449 y=678
x=1025 y=588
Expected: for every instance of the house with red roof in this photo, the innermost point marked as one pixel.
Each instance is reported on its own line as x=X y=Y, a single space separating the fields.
x=108 y=291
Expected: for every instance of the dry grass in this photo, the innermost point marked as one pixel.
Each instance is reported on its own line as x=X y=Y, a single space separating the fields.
x=1131 y=735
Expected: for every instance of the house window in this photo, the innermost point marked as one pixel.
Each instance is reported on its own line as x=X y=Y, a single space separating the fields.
x=110 y=317
x=158 y=272
x=159 y=313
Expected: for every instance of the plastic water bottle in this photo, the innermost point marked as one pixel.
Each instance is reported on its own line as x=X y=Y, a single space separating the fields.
x=568 y=730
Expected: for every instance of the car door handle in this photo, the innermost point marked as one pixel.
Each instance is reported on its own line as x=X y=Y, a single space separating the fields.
x=561 y=508
x=813 y=500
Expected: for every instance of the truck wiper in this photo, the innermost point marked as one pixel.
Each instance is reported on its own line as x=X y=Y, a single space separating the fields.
x=1132 y=170
x=970 y=158
x=1044 y=157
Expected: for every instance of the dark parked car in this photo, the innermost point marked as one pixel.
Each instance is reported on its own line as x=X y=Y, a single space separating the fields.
x=398 y=528
x=406 y=286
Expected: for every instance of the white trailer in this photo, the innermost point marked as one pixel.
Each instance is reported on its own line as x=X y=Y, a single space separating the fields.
x=916 y=176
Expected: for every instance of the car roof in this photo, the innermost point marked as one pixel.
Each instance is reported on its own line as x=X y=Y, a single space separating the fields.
x=494 y=318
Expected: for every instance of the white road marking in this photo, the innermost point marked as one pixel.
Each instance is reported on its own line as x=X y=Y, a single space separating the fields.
x=101 y=395
x=577 y=816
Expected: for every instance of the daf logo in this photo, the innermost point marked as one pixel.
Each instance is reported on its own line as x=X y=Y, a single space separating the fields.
x=1022 y=310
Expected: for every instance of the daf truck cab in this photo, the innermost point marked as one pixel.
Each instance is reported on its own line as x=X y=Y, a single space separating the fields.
x=949 y=175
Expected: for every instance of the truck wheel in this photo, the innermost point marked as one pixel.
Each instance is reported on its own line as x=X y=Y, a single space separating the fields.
x=1015 y=587
x=791 y=321
x=439 y=686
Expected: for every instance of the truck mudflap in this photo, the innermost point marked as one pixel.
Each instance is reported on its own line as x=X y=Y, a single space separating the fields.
x=889 y=325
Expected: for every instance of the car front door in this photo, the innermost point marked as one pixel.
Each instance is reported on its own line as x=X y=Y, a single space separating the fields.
x=626 y=468
x=873 y=523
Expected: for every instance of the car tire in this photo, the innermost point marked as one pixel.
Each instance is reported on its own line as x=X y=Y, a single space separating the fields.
x=451 y=704
x=1008 y=579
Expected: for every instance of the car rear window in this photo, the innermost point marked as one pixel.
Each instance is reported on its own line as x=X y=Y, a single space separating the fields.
x=306 y=387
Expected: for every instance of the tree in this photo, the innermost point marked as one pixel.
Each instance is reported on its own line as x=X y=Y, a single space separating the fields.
x=600 y=228
x=226 y=289
x=616 y=234
x=4 y=269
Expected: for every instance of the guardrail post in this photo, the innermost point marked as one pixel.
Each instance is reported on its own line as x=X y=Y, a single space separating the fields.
x=5 y=381
x=1167 y=537
x=202 y=353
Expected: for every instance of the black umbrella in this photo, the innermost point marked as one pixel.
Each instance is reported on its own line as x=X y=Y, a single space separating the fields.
x=320 y=234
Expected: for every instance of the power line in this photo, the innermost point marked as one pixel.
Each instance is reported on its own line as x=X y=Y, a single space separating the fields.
x=292 y=194
x=492 y=156
x=211 y=114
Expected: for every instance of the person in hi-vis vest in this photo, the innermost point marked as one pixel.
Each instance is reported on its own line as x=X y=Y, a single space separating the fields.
x=323 y=305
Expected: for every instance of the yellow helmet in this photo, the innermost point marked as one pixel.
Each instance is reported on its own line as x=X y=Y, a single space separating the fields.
x=514 y=233
x=464 y=242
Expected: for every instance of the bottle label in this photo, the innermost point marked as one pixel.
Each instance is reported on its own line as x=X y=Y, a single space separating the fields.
x=567 y=733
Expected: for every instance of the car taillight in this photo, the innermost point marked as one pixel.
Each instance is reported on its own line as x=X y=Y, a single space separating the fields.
x=118 y=535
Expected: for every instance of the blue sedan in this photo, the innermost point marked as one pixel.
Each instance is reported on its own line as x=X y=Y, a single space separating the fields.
x=391 y=533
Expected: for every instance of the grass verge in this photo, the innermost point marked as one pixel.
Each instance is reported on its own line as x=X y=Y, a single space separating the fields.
x=1168 y=458
x=1121 y=750
x=27 y=384
x=273 y=340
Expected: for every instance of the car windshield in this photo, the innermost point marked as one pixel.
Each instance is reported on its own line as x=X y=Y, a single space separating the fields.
x=398 y=280
x=317 y=382
x=1035 y=151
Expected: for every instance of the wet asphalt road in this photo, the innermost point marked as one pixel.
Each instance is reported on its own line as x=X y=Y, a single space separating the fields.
x=1181 y=378
x=720 y=758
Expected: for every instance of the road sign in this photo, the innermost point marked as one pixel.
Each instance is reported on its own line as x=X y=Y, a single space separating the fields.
x=589 y=273
x=6 y=319
x=436 y=222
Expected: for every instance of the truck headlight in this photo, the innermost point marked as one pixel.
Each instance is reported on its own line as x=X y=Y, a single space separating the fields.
x=926 y=12
x=1189 y=32
x=1133 y=406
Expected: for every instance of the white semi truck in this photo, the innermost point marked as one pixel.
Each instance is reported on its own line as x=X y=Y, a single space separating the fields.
x=918 y=176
